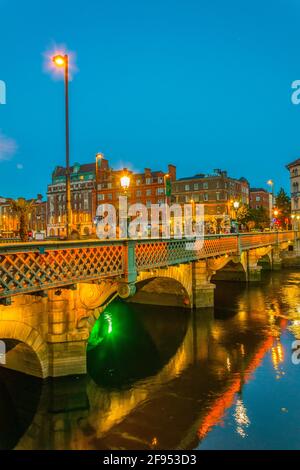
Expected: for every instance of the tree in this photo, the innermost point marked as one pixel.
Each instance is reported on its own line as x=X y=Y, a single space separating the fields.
x=21 y=209
x=260 y=217
x=283 y=205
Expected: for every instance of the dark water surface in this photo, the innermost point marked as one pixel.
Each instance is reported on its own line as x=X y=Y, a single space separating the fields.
x=163 y=378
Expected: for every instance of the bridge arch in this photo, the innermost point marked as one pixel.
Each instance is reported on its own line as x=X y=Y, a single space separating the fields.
x=165 y=286
x=26 y=351
x=231 y=269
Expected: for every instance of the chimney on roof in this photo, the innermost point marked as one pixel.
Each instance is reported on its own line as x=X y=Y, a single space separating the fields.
x=104 y=164
x=172 y=172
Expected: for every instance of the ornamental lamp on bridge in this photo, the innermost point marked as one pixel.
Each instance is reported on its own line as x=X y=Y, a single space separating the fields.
x=236 y=205
x=125 y=183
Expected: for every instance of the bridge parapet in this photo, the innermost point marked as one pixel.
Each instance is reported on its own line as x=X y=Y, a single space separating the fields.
x=35 y=267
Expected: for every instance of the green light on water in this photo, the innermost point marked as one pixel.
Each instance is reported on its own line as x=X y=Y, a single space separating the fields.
x=108 y=318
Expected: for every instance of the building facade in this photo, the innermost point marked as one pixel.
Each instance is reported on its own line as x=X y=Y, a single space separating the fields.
x=97 y=183
x=217 y=191
x=146 y=188
x=294 y=170
x=37 y=217
x=260 y=197
x=82 y=187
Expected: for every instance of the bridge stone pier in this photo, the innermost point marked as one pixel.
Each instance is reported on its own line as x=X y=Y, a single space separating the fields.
x=51 y=294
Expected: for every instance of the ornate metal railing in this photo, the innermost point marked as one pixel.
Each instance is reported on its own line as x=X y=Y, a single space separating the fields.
x=32 y=267
x=256 y=240
x=155 y=253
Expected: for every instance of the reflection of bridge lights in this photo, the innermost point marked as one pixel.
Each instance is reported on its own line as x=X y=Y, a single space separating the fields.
x=242 y=350
x=241 y=418
x=154 y=442
x=228 y=364
x=277 y=355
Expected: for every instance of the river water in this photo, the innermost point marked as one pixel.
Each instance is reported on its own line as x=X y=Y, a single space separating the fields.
x=164 y=378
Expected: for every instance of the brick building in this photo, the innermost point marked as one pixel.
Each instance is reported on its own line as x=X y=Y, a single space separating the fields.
x=216 y=191
x=146 y=188
x=260 y=197
x=90 y=183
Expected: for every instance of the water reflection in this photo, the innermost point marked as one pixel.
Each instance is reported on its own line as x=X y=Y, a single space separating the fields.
x=164 y=378
x=129 y=343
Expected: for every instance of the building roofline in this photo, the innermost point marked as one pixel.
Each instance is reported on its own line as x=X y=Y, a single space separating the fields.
x=293 y=163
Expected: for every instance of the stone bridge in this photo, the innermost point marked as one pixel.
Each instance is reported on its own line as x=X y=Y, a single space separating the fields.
x=51 y=294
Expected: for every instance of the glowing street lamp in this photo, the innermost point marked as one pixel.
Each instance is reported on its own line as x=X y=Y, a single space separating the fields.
x=125 y=183
x=63 y=62
x=60 y=60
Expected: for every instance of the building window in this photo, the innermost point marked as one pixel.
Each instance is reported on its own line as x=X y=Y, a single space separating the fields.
x=205 y=197
x=186 y=187
x=218 y=196
x=148 y=192
x=160 y=191
x=196 y=186
x=138 y=193
x=148 y=204
x=257 y=198
x=148 y=180
x=138 y=182
x=160 y=180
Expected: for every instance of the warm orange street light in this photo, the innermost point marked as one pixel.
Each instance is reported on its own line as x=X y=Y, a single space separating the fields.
x=125 y=182
x=276 y=212
x=59 y=60
x=63 y=61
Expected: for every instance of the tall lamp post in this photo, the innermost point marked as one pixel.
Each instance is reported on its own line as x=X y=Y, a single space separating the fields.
x=125 y=183
x=99 y=157
x=271 y=183
x=63 y=61
x=236 y=206
x=276 y=213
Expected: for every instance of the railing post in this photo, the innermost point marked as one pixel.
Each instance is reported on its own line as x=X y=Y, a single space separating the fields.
x=127 y=286
x=238 y=244
x=129 y=261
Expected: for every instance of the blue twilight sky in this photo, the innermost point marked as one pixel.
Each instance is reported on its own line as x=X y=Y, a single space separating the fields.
x=202 y=84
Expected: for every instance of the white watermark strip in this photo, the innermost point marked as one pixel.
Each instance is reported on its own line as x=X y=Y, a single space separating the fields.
x=156 y=221
x=2 y=92
x=2 y=352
